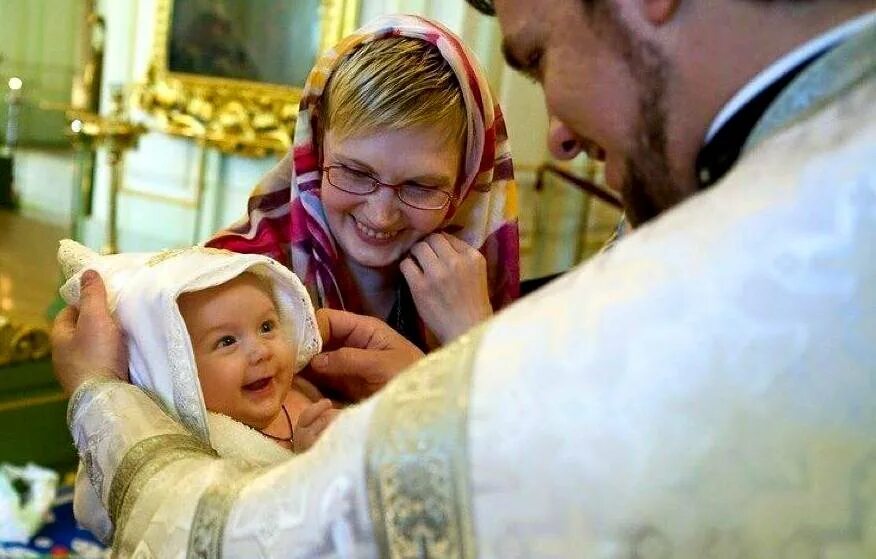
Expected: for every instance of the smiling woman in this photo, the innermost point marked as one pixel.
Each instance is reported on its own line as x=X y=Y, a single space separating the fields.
x=398 y=199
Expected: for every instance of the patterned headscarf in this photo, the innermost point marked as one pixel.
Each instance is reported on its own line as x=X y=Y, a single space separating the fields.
x=285 y=216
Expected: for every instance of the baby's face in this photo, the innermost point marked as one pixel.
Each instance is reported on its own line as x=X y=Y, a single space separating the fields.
x=244 y=360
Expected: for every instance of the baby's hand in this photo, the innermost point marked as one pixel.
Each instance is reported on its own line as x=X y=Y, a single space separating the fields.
x=311 y=423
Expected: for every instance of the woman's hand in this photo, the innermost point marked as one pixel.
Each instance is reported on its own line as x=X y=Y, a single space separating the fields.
x=311 y=423
x=448 y=279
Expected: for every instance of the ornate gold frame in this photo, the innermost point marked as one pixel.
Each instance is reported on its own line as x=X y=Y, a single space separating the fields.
x=233 y=116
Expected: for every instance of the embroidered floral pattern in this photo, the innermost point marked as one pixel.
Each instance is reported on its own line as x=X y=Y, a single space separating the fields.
x=418 y=488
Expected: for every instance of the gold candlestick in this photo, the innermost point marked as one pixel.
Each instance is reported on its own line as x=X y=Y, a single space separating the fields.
x=117 y=134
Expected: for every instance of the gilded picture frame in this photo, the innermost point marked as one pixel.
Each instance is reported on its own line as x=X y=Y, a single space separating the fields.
x=232 y=114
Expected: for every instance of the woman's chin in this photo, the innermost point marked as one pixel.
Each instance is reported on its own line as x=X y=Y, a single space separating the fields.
x=370 y=256
x=376 y=262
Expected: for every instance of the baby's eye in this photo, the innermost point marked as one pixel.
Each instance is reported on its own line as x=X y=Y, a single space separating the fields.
x=268 y=326
x=225 y=341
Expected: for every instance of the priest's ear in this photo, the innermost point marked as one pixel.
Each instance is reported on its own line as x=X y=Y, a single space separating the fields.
x=659 y=12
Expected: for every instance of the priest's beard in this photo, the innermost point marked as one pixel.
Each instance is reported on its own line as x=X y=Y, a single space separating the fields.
x=647 y=187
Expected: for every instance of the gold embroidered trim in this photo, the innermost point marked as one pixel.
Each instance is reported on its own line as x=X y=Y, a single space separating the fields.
x=174 y=252
x=418 y=485
x=211 y=516
x=140 y=464
x=80 y=393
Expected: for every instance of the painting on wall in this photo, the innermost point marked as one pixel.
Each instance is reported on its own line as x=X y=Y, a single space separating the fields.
x=261 y=41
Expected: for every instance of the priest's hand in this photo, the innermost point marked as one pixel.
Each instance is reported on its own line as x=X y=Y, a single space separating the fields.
x=360 y=354
x=86 y=342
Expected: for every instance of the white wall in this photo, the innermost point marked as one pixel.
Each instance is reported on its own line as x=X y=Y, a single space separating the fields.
x=44 y=183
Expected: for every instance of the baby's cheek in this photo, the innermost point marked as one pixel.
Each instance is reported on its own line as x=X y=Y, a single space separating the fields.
x=288 y=370
x=211 y=400
x=218 y=397
x=287 y=355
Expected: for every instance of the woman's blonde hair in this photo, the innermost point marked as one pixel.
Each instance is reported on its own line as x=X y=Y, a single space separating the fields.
x=393 y=83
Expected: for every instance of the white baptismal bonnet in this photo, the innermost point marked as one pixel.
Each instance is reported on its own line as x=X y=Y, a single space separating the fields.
x=142 y=291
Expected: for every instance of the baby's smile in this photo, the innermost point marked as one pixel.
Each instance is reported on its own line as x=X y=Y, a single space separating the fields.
x=258 y=385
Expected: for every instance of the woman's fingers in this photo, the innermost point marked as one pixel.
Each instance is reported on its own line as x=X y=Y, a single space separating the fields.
x=468 y=253
x=412 y=272
x=425 y=256
x=441 y=245
x=453 y=249
x=458 y=244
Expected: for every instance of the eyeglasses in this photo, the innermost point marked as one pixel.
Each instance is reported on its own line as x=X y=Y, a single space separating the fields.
x=414 y=195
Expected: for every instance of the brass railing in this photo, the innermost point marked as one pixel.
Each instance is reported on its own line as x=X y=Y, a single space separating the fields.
x=588 y=186
x=581 y=183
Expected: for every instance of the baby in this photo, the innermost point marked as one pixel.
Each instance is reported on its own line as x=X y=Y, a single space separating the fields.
x=217 y=337
x=245 y=363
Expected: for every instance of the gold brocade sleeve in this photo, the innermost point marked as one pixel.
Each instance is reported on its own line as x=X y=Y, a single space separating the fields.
x=152 y=475
x=418 y=485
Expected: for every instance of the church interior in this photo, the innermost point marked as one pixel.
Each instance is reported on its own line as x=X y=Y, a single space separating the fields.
x=112 y=135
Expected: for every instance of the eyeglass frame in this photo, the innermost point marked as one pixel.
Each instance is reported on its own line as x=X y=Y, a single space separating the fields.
x=377 y=183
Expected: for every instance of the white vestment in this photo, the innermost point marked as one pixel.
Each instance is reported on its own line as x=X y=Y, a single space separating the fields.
x=705 y=390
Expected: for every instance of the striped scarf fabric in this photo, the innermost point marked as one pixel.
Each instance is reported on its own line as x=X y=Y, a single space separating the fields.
x=285 y=218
